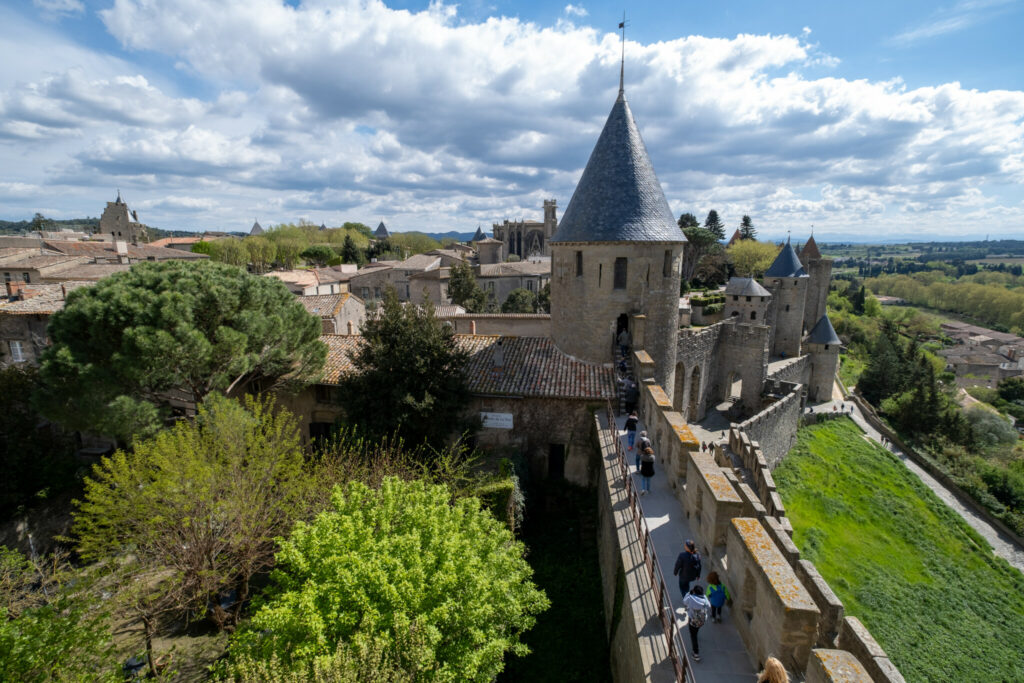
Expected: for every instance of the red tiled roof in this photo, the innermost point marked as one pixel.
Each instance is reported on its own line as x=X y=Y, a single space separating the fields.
x=532 y=367
x=109 y=250
x=324 y=305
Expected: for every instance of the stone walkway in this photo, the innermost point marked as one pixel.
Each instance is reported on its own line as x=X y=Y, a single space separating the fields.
x=723 y=656
x=1002 y=545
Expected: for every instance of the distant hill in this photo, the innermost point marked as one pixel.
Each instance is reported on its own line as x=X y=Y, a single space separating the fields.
x=457 y=236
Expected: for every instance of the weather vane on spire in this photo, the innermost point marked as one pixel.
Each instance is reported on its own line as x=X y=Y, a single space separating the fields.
x=622 y=64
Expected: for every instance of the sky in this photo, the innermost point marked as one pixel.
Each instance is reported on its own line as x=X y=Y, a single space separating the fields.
x=860 y=121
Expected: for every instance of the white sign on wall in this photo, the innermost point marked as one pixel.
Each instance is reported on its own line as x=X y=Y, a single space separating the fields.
x=497 y=420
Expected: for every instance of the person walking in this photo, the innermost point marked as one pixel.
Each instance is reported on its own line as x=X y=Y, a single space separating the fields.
x=646 y=470
x=624 y=341
x=696 y=614
x=632 y=394
x=643 y=443
x=631 y=423
x=773 y=672
x=717 y=595
x=688 y=567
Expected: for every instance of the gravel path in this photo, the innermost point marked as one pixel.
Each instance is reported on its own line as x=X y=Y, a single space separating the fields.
x=1002 y=545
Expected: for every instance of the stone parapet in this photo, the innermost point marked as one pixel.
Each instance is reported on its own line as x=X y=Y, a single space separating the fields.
x=835 y=666
x=710 y=500
x=855 y=638
x=776 y=615
x=832 y=610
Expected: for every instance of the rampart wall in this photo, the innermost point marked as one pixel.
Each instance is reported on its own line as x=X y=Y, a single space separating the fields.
x=784 y=607
x=797 y=371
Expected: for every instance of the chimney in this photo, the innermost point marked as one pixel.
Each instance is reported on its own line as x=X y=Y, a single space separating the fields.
x=14 y=290
x=472 y=327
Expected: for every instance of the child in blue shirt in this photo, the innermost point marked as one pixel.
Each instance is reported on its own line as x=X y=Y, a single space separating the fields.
x=717 y=595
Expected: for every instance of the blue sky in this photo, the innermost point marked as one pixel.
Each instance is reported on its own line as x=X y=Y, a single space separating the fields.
x=868 y=120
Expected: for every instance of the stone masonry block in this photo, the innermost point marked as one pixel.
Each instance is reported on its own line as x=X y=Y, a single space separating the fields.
x=835 y=666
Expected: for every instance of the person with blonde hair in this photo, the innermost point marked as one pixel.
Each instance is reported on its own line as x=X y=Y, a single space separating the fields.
x=773 y=672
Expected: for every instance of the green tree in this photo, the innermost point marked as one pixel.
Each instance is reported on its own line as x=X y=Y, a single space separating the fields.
x=203 y=248
x=990 y=429
x=230 y=251
x=197 y=506
x=544 y=298
x=688 y=220
x=38 y=458
x=520 y=301
x=883 y=375
x=349 y=251
x=124 y=347
x=358 y=227
x=714 y=224
x=262 y=252
x=1012 y=389
x=408 y=376
x=747 y=230
x=700 y=243
x=318 y=254
x=288 y=251
x=53 y=626
x=464 y=290
x=751 y=258
x=383 y=564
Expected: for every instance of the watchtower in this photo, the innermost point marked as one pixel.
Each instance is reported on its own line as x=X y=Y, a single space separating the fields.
x=819 y=272
x=616 y=255
x=787 y=281
x=823 y=345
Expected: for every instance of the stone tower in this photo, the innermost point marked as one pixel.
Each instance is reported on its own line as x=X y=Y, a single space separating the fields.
x=550 y=218
x=819 y=272
x=787 y=282
x=823 y=346
x=746 y=301
x=122 y=224
x=615 y=258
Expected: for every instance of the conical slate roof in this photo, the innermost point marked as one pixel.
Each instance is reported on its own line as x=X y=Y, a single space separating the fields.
x=257 y=229
x=479 y=235
x=618 y=198
x=786 y=264
x=745 y=286
x=381 y=232
x=323 y=226
x=823 y=333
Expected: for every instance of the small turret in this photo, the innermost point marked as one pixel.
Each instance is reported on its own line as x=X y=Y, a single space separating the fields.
x=787 y=282
x=823 y=345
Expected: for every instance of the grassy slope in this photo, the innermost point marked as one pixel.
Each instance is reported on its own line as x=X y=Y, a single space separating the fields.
x=925 y=584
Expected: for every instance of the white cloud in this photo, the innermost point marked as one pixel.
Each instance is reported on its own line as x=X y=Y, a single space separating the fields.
x=576 y=10
x=59 y=7
x=346 y=110
x=945 y=20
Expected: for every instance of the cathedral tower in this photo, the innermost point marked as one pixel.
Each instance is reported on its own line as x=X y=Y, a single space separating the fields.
x=616 y=255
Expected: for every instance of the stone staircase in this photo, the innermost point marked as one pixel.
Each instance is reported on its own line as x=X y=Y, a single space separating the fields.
x=623 y=371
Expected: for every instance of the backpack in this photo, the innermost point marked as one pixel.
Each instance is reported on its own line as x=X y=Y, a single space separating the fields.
x=698 y=617
x=696 y=564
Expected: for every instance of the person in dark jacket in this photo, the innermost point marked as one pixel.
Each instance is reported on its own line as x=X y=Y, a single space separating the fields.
x=642 y=444
x=631 y=423
x=646 y=470
x=688 y=566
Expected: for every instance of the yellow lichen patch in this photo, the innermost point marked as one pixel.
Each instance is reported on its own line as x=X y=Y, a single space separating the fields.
x=841 y=666
x=682 y=431
x=659 y=396
x=721 y=487
x=774 y=565
x=644 y=357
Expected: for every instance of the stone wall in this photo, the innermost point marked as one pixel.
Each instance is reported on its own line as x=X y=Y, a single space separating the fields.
x=796 y=371
x=507 y=324
x=774 y=428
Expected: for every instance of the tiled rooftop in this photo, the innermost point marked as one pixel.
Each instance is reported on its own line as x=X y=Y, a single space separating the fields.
x=324 y=305
x=532 y=367
x=86 y=271
x=108 y=250
x=45 y=299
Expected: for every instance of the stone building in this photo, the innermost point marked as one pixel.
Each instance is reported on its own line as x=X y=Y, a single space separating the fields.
x=120 y=223
x=823 y=345
x=819 y=273
x=528 y=238
x=787 y=281
x=338 y=313
x=616 y=255
x=381 y=233
x=24 y=315
x=746 y=300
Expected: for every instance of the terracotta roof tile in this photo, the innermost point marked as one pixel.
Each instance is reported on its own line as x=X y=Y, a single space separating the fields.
x=532 y=367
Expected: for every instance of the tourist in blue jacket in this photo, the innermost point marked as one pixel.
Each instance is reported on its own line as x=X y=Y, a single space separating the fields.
x=717 y=594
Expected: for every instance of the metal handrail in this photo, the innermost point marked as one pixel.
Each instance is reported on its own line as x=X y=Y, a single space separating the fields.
x=666 y=612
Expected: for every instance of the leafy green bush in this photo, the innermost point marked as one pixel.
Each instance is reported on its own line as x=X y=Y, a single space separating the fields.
x=990 y=429
x=383 y=564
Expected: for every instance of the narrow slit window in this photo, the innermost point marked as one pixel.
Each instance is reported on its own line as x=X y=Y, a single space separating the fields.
x=579 y=264
x=620 y=273
x=666 y=268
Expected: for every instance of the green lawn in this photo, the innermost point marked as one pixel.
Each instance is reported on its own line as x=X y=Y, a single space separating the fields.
x=922 y=581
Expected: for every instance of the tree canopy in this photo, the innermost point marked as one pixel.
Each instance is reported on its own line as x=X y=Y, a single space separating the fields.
x=126 y=346
x=464 y=290
x=747 y=229
x=714 y=224
x=688 y=220
x=700 y=243
x=443 y=584
x=520 y=300
x=751 y=258
x=408 y=376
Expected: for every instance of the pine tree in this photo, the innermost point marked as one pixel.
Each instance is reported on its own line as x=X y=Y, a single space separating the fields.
x=688 y=220
x=714 y=224
x=747 y=230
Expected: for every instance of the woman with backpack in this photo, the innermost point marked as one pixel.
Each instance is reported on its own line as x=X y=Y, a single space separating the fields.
x=631 y=423
x=696 y=614
x=646 y=470
x=717 y=595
